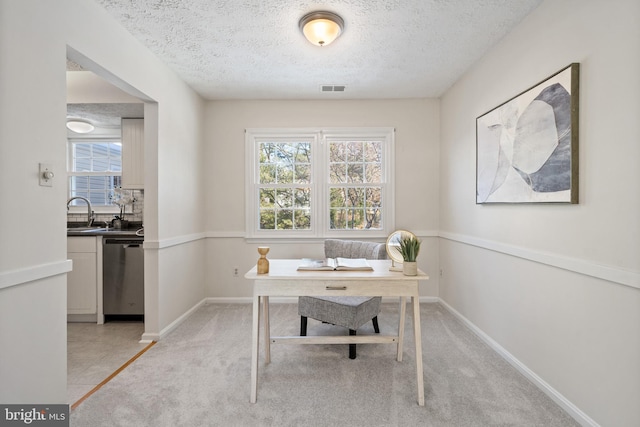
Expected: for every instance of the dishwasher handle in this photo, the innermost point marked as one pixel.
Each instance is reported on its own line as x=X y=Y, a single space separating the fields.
x=127 y=243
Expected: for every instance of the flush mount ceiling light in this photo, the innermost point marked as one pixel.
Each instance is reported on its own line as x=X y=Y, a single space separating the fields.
x=321 y=28
x=80 y=126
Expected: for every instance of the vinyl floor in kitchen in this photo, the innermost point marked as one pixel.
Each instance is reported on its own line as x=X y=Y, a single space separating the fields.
x=96 y=351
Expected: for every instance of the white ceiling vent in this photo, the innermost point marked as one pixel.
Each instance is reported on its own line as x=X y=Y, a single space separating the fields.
x=332 y=88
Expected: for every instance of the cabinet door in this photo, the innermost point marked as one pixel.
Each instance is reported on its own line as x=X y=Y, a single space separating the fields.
x=82 y=283
x=133 y=153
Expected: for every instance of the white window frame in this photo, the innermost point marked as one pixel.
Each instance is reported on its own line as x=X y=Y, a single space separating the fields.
x=319 y=138
x=105 y=209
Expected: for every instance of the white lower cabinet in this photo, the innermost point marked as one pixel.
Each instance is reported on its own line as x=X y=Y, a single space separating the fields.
x=82 y=281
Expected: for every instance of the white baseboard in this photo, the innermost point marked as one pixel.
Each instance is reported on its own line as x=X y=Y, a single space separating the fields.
x=82 y=318
x=563 y=402
x=234 y=300
x=148 y=337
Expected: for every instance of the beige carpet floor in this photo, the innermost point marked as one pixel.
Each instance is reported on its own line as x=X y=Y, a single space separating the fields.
x=199 y=375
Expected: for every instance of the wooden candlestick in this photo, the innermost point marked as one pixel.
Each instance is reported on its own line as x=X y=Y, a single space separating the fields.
x=263 y=262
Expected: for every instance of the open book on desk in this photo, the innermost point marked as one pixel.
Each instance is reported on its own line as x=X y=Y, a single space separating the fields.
x=342 y=264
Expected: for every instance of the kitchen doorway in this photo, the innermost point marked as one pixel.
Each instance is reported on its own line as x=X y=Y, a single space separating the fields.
x=96 y=349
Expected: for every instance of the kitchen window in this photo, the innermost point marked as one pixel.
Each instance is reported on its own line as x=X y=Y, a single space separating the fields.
x=95 y=170
x=319 y=183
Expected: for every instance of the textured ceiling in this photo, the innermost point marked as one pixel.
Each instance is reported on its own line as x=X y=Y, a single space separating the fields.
x=106 y=116
x=253 y=49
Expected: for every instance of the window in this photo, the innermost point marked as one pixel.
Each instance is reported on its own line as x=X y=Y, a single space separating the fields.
x=95 y=169
x=284 y=185
x=319 y=183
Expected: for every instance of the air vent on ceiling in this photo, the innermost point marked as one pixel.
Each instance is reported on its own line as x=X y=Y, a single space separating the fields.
x=332 y=88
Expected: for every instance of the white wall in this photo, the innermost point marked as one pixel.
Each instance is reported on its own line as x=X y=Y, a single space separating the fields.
x=35 y=38
x=85 y=87
x=33 y=263
x=557 y=287
x=417 y=133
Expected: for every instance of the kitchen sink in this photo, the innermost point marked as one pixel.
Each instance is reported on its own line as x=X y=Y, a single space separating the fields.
x=85 y=229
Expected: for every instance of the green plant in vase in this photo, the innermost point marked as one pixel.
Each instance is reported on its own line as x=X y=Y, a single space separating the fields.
x=409 y=248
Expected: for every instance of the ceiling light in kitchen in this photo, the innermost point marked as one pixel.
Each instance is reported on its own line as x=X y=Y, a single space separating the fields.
x=80 y=126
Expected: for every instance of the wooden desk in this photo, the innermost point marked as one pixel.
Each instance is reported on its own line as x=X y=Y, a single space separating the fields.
x=285 y=281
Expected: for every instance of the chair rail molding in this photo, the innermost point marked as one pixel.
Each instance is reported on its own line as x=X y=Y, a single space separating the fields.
x=611 y=274
x=33 y=273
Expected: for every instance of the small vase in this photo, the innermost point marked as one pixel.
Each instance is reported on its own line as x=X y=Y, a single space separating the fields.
x=263 y=262
x=410 y=268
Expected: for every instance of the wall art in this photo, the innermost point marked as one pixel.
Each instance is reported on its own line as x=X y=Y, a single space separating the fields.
x=527 y=147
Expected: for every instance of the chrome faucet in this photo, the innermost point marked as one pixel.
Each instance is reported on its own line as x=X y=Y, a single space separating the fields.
x=90 y=213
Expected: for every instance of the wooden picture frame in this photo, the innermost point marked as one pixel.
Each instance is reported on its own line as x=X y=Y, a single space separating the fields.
x=527 y=147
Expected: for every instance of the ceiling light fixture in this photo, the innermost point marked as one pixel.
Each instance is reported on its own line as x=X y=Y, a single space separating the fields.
x=80 y=126
x=321 y=28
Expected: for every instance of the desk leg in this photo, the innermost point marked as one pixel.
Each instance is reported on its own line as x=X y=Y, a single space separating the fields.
x=254 y=348
x=267 y=330
x=401 y=320
x=418 y=344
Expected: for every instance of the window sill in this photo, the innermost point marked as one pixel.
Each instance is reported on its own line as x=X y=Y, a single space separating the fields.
x=98 y=210
x=374 y=236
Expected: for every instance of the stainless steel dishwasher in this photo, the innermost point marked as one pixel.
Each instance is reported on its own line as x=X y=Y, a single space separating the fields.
x=123 y=277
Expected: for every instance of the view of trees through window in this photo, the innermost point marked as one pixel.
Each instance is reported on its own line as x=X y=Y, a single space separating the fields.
x=285 y=178
x=355 y=169
x=354 y=178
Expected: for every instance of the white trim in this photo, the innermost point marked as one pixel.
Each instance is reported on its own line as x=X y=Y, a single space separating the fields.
x=611 y=274
x=562 y=401
x=89 y=139
x=426 y=233
x=32 y=273
x=318 y=138
x=240 y=300
x=148 y=337
x=173 y=241
x=240 y=234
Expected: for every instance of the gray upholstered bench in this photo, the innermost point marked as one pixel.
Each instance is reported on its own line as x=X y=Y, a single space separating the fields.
x=348 y=312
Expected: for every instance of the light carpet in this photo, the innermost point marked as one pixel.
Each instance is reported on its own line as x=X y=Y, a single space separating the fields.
x=199 y=375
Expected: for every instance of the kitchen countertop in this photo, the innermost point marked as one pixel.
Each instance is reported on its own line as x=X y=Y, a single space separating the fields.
x=92 y=232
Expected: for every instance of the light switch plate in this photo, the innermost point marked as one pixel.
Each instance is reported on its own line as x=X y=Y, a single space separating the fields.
x=45 y=168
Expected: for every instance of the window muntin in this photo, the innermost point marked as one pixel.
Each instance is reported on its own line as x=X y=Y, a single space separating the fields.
x=95 y=170
x=319 y=183
x=284 y=176
x=355 y=185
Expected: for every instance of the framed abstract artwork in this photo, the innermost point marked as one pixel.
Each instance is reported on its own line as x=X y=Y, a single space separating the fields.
x=527 y=147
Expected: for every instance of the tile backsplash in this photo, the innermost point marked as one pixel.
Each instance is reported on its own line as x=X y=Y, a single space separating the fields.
x=133 y=212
